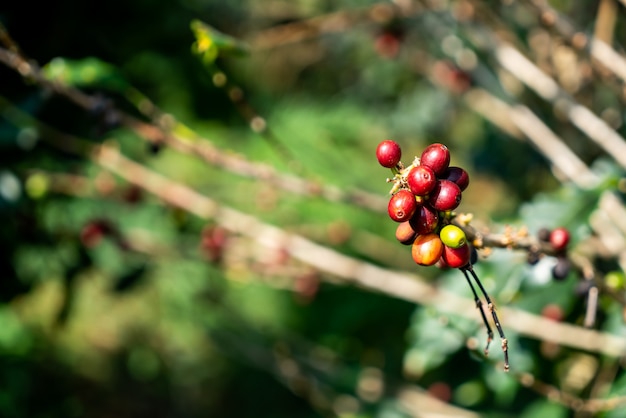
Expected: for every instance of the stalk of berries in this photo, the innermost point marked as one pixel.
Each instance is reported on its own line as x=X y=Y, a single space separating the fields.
x=423 y=197
x=424 y=194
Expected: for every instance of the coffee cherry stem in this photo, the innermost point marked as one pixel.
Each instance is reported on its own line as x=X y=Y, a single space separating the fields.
x=479 y=305
x=492 y=309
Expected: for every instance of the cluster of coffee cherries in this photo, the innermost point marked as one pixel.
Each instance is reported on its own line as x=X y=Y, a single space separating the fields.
x=423 y=197
x=558 y=239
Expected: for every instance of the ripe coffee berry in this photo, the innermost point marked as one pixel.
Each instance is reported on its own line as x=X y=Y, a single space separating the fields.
x=457 y=175
x=445 y=196
x=388 y=153
x=402 y=206
x=437 y=157
x=456 y=257
x=559 y=238
x=561 y=269
x=553 y=311
x=421 y=180
x=427 y=249
x=424 y=220
x=405 y=233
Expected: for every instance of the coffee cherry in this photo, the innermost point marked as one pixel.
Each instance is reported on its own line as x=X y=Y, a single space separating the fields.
x=387 y=44
x=405 y=233
x=421 y=180
x=615 y=280
x=457 y=175
x=543 y=234
x=533 y=257
x=445 y=196
x=427 y=249
x=553 y=312
x=95 y=230
x=452 y=236
x=213 y=242
x=424 y=220
x=559 y=238
x=401 y=206
x=561 y=269
x=456 y=257
x=583 y=288
x=437 y=157
x=388 y=153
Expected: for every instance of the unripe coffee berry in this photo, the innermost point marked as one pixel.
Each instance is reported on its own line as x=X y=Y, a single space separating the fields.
x=421 y=180
x=388 y=153
x=405 y=233
x=402 y=206
x=437 y=157
x=452 y=236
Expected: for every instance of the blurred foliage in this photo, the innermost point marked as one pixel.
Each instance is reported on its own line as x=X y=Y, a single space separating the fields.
x=205 y=323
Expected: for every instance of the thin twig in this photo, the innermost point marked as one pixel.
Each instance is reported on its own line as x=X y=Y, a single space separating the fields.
x=201 y=147
x=580 y=116
x=597 y=48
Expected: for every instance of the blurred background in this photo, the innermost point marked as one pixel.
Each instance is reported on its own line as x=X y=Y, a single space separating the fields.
x=194 y=220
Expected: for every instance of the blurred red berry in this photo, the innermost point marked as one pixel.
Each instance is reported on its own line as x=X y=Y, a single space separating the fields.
x=559 y=238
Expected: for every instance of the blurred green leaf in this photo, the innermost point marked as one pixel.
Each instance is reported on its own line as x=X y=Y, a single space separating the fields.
x=87 y=72
x=211 y=43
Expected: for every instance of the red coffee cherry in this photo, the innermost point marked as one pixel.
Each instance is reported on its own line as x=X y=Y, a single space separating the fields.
x=457 y=175
x=559 y=238
x=95 y=230
x=388 y=153
x=437 y=157
x=421 y=180
x=387 y=44
x=553 y=311
x=445 y=196
x=425 y=219
x=427 y=249
x=456 y=257
x=402 y=206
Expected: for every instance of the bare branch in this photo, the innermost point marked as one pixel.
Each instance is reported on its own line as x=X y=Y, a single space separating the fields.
x=580 y=116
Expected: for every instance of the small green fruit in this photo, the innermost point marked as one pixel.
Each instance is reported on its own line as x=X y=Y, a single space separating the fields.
x=37 y=185
x=452 y=236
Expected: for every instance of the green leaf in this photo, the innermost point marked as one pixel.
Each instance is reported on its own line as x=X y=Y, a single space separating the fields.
x=211 y=43
x=87 y=72
x=544 y=408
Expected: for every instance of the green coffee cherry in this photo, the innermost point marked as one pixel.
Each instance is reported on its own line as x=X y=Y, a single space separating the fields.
x=452 y=236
